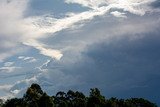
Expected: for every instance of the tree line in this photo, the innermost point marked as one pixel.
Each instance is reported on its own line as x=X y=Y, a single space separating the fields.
x=35 y=97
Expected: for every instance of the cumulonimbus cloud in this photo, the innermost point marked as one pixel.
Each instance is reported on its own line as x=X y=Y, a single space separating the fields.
x=29 y=29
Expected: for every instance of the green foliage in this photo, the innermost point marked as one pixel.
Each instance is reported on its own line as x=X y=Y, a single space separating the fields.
x=138 y=102
x=33 y=93
x=96 y=99
x=45 y=101
x=35 y=97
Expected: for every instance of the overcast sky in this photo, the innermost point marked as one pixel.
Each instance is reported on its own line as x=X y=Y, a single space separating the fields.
x=113 y=45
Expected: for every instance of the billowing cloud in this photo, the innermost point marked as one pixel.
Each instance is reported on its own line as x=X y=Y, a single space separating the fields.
x=53 y=25
x=116 y=66
x=11 y=15
x=35 y=27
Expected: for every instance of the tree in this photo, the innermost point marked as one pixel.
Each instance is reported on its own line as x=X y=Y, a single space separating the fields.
x=139 y=102
x=76 y=99
x=35 y=97
x=45 y=101
x=113 y=102
x=61 y=99
x=96 y=99
x=80 y=99
x=15 y=102
x=33 y=94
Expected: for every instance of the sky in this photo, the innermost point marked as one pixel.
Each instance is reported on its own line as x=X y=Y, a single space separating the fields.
x=113 y=45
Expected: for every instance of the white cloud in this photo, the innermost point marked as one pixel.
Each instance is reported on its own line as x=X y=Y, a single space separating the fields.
x=21 y=57
x=9 y=69
x=27 y=81
x=45 y=51
x=32 y=60
x=28 y=59
x=5 y=87
x=15 y=89
x=52 y=25
x=8 y=64
x=12 y=13
x=134 y=6
x=15 y=92
x=56 y=25
x=118 y=14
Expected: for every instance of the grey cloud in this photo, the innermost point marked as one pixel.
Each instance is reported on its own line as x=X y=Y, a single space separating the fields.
x=156 y=4
x=121 y=57
x=115 y=55
x=122 y=68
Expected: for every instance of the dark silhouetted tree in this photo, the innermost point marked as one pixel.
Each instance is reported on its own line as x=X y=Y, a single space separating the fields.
x=45 y=101
x=35 y=97
x=96 y=99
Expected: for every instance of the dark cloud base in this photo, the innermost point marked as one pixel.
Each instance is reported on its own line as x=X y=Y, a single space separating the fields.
x=156 y=4
x=124 y=68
